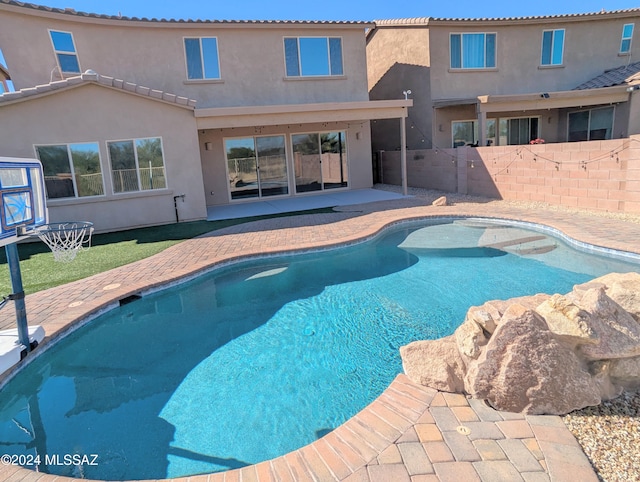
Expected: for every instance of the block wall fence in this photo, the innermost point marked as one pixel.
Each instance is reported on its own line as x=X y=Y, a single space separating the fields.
x=594 y=175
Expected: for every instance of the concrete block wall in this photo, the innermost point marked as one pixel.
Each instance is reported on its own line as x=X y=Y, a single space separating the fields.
x=595 y=175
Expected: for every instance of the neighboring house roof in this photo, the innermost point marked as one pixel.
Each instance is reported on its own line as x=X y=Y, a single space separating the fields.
x=425 y=21
x=627 y=74
x=90 y=77
x=72 y=12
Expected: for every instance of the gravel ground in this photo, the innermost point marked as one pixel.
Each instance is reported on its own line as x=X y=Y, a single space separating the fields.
x=610 y=436
x=609 y=433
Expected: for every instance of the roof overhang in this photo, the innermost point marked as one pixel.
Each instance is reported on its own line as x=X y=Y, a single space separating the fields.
x=224 y=117
x=553 y=100
x=69 y=14
x=542 y=100
x=92 y=78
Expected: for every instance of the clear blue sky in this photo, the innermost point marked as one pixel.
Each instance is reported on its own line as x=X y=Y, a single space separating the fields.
x=335 y=9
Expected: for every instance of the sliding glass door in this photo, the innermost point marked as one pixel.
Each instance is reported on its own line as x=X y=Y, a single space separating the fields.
x=334 y=160
x=320 y=161
x=257 y=167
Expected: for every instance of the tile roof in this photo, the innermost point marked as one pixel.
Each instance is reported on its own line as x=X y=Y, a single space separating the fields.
x=400 y=22
x=627 y=74
x=91 y=77
x=71 y=11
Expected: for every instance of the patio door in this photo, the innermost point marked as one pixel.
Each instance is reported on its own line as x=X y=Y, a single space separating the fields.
x=256 y=167
x=320 y=161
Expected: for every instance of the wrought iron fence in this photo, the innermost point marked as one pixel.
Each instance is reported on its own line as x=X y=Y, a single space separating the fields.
x=126 y=180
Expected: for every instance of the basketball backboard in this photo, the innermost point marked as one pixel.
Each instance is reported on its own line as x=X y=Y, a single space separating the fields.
x=22 y=197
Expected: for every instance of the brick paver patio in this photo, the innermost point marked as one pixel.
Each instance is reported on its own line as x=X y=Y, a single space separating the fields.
x=409 y=433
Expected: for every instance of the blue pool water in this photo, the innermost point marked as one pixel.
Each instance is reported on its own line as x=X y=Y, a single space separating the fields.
x=253 y=361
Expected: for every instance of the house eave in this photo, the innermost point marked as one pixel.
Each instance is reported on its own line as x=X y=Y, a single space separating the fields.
x=268 y=115
x=553 y=100
x=541 y=100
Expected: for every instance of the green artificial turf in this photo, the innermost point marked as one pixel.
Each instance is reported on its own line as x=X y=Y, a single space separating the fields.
x=108 y=251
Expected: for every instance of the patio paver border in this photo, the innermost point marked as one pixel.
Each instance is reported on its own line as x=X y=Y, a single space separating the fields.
x=400 y=434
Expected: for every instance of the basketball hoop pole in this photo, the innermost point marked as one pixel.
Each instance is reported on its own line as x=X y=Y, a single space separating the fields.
x=13 y=259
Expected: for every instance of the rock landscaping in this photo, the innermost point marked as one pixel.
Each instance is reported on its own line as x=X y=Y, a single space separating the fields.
x=540 y=354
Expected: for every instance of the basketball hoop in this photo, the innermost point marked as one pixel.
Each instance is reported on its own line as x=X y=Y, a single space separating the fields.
x=65 y=239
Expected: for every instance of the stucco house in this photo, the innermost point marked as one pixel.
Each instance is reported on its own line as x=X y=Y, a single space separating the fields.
x=132 y=117
x=507 y=81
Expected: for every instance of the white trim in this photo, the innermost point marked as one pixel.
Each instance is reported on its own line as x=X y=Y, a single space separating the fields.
x=553 y=41
x=623 y=38
x=316 y=77
x=72 y=170
x=259 y=186
x=529 y=117
x=474 y=69
x=319 y=133
x=56 y=52
x=204 y=78
x=135 y=155
x=475 y=128
x=613 y=120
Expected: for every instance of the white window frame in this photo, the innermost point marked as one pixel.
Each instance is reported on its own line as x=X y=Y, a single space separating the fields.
x=613 y=121
x=57 y=52
x=476 y=133
x=346 y=153
x=630 y=39
x=529 y=117
x=73 y=169
x=462 y=68
x=301 y=75
x=186 y=61
x=553 y=41
x=259 y=197
x=135 y=156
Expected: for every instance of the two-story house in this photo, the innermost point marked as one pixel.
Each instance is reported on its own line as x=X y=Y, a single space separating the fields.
x=507 y=81
x=141 y=121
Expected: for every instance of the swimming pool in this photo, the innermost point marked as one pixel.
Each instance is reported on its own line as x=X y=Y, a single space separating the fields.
x=255 y=360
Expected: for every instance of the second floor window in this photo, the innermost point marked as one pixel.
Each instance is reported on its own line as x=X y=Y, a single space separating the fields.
x=313 y=56
x=552 y=47
x=473 y=50
x=65 y=51
x=202 y=58
x=627 y=35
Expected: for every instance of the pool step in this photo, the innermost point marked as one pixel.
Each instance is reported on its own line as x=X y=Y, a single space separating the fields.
x=516 y=241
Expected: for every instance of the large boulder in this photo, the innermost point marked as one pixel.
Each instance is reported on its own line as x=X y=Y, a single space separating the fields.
x=624 y=289
x=488 y=315
x=625 y=372
x=617 y=330
x=540 y=354
x=435 y=363
x=567 y=320
x=441 y=201
x=470 y=338
x=525 y=369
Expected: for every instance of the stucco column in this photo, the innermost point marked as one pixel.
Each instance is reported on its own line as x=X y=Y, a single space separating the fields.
x=403 y=154
x=461 y=164
x=482 y=128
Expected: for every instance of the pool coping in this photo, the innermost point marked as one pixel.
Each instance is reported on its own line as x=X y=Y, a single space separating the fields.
x=355 y=445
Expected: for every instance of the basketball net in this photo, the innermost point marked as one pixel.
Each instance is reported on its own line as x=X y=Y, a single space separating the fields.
x=65 y=239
